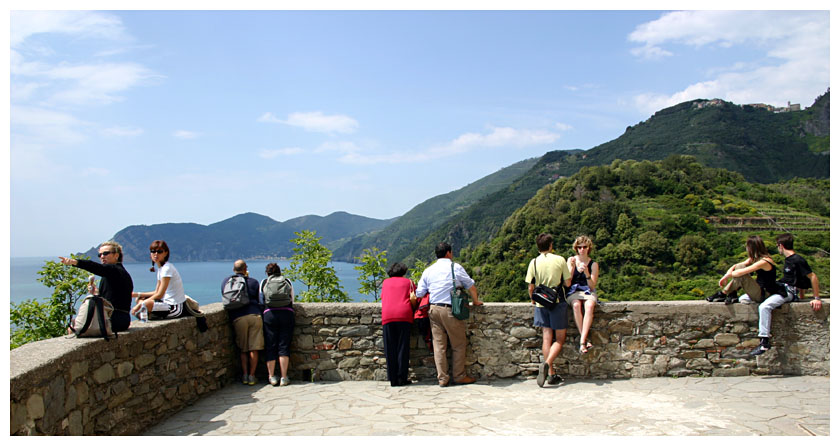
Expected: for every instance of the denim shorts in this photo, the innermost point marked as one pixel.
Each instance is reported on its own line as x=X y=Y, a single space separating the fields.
x=555 y=319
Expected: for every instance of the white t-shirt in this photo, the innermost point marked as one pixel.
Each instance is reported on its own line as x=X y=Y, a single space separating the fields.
x=174 y=294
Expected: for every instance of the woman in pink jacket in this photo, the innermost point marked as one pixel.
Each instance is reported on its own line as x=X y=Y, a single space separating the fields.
x=398 y=303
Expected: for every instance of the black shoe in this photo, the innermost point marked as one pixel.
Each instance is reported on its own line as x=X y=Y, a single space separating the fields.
x=555 y=379
x=714 y=297
x=731 y=298
x=542 y=374
x=762 y=348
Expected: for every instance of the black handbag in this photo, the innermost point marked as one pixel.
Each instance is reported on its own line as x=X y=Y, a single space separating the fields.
x=545 y=295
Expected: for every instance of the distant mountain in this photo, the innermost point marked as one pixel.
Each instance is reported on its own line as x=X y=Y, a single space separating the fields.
x=401 y=236
x=245 y=236
x=761 y=145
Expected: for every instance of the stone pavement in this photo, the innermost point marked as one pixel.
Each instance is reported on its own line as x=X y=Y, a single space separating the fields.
x=749 y=405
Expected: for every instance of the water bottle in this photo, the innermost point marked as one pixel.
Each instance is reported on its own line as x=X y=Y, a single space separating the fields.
x=144 y=314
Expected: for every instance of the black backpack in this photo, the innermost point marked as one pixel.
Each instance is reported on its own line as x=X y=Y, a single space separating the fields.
x=277 y=291
x=235 y=293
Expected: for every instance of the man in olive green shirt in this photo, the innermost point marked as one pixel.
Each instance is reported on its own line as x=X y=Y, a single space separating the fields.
x=550 y=270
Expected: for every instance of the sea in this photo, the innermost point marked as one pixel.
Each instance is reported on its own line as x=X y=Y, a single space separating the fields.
x=202 y=280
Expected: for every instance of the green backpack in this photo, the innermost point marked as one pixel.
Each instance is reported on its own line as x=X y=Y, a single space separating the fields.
x=277 y=291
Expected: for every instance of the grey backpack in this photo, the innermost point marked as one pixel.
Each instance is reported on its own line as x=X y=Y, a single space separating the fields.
x=277 y=291
x=235 y=293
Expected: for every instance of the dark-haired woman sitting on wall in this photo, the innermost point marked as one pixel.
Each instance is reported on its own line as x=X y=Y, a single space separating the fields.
x=168 y=299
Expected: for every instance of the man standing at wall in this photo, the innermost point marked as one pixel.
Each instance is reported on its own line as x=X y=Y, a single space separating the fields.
x=550 y=270
x=437 y=282
x=247 y=320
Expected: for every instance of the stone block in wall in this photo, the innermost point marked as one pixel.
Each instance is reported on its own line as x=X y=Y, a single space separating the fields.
x=524 y=332
x=727 y=339
x=621 y=327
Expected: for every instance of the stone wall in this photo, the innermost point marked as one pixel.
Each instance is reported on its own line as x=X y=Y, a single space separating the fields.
x=631 y=340
x=90 y=386
x=118 y=387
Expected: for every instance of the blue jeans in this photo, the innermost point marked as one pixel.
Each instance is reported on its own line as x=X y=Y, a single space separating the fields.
x=765 y=311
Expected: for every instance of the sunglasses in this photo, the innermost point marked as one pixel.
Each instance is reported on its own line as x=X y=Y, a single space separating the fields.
x=105 y=253
x=156 y=251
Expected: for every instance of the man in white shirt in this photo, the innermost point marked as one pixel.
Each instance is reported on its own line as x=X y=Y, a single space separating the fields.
x=437 y=282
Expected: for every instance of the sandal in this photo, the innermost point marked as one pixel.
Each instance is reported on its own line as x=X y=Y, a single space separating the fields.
x=583 y=349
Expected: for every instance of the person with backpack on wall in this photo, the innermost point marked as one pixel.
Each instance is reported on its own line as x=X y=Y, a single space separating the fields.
x=278 y=322
x=115 y=286
x=241 y=299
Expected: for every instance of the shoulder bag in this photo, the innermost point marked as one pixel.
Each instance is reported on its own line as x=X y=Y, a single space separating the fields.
x=544 y=295
x=460 y=299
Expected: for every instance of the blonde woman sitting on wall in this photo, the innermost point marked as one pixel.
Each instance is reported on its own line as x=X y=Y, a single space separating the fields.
x=581 y=296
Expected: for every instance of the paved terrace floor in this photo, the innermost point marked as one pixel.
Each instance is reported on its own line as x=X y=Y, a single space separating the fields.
x=754 y=405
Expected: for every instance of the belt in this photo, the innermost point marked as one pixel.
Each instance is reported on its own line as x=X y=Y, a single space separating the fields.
x=443 y=305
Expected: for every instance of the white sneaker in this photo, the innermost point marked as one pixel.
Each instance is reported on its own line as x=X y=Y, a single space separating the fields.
x=274 y=381
x=285 y=381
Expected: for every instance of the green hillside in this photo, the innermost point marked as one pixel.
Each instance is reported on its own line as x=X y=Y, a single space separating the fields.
x=402 y=235
x=655 y=228
x=762 y=146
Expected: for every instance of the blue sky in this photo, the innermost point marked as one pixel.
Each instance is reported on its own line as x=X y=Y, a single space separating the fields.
x=145 y=117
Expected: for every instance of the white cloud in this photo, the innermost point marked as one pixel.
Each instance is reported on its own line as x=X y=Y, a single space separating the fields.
x=185 y=134
x=494 y=138
x=98 y=83
x=562 y=126
x=122 y=131
x=24 y=24
x=274 y=153
x=338 y=146
x=314 y=122
x=59 y=80
x=795 y=44
x=46 y=126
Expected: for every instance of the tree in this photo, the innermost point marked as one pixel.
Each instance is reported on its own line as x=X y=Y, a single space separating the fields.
x=33 y=321
x=417 y=270
x=692 y=251
x=310 y=265
x=372 y=271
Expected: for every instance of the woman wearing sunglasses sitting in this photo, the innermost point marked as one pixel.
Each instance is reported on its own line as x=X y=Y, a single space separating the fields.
x=168 y=299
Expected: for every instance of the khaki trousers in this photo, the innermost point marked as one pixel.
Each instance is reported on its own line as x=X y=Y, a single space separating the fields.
x=748 y=284
x=444 y=326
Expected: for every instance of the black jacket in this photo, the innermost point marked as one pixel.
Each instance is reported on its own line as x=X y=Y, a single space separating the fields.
x=116 y=286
